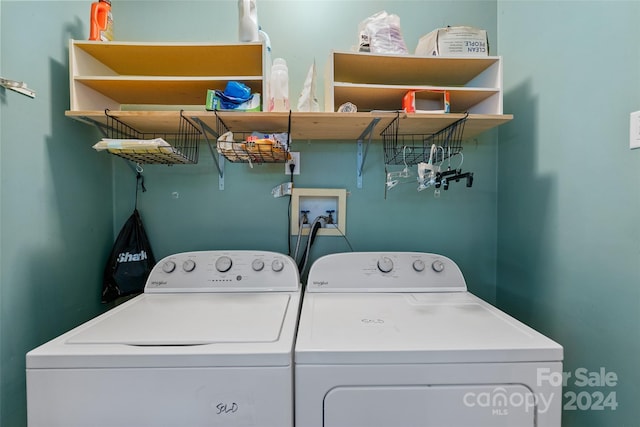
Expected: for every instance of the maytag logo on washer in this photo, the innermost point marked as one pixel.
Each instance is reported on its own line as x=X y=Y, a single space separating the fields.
x=129 y=257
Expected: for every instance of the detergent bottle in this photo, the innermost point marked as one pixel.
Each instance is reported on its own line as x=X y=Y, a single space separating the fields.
x=248 y=21
x=101 y=21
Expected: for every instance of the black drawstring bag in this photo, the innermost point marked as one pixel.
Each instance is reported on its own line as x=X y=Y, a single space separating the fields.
x=130 y=261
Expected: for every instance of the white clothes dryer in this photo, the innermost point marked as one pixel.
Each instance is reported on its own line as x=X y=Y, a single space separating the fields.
x=208 y=343
x=396 y=340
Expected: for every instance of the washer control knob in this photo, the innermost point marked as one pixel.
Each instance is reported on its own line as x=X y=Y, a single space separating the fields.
x=189 y=265
x=168 y=266
x=223 y=264
x=257 y=265
x=418 y=265
x=277 y=265
x=438 y=266
x=385 y=264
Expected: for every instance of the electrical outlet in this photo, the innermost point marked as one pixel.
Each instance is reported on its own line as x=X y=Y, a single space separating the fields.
x=634 y=130
x=295 y=159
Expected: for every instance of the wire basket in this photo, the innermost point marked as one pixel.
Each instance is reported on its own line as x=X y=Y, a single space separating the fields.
x=254 y=147
x=411 y=149
x=254 y=150
x=168 y=148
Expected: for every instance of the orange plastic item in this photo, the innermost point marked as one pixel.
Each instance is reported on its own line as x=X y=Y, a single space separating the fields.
x=101 y=21
x=430 y=100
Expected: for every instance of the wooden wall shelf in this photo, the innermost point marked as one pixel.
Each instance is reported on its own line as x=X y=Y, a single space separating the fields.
x=148 y=86
x=311 y=126
x=116 y=74
x=379 y=81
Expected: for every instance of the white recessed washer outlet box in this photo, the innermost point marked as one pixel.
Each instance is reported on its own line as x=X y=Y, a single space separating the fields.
x=307 y=204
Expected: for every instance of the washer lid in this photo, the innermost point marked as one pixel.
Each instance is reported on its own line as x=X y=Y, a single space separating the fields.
x=180 y=330
x=186 y=320
x=454 y=327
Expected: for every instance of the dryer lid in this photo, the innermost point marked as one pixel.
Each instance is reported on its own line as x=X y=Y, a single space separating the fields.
x=454 y=327
x=189 y=320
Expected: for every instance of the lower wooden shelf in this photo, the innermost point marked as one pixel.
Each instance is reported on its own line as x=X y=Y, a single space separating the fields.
x=311 y=126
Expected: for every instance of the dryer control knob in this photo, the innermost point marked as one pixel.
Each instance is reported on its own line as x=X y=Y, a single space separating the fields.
x=168 y=266
x=189 y=265
x=438 y=266
x=223 y=264
x=257 y=265
x=418 y=265
x=385 y=264
x=277 y=265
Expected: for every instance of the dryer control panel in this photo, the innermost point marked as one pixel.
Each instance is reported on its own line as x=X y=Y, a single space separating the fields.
x=224 y=271
x=385 y=272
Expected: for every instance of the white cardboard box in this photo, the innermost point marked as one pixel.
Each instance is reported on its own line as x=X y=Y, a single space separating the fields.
x=454 y=41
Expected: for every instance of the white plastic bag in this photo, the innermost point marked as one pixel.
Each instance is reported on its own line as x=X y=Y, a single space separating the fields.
x=308 y=102
x=381 y=33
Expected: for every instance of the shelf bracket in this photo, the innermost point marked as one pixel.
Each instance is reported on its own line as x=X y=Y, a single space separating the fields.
x=363 y=150
x=219 y=161
x=98 y=125
x=20 y=87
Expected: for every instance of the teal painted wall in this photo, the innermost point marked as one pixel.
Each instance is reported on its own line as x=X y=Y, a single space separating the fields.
x=56 y=204
x=1 y=233
x=542 y=217
x=568 y=199
x=62 y=202
x=461 y=223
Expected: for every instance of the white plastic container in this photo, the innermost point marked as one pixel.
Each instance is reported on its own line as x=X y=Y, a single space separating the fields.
x=248 y=21
x=279 y=86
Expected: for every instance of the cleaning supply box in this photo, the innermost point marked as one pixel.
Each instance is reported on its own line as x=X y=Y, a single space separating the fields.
x=454 y=41
x=215 y=103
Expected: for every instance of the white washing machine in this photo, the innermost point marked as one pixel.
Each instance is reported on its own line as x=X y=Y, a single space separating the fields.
x=395 y=340
x=208 y=343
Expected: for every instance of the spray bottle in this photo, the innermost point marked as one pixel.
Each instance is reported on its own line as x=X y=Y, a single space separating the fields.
x=101 y=21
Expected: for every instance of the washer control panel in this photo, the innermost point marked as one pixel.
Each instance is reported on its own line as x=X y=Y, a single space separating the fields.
x=385 y=272
x=224 y=271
